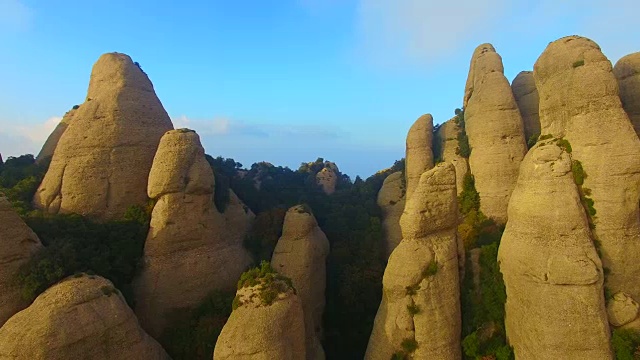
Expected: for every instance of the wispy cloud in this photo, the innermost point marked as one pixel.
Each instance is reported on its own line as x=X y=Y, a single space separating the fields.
x=223 y=126
x=14 y=16
x=25 y=138
x=401 y=32
x=394 y=33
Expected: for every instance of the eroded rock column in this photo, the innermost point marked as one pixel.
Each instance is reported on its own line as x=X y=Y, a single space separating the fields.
x=554 y=279
x=420 y=311
x=301 y=255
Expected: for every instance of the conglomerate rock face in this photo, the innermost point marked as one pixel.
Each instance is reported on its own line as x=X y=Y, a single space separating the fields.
x=579 y=102
x=494 y=127
x=260 y=331
x=526 y=96
x=101 y=163
x=419 y=154
x=81 y=317
x=421 y=294
x=301 y=255
x=391 y=200
x=447 y=134
x=554 y=279
x=17 y=243
x=191 y=248
x=627 y=72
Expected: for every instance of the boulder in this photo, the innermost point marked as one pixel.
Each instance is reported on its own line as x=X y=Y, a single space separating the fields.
x=622 y=309
x=494 y=127
x=191 y=248
x=52 y=141
x=627 y=72
x=419 y=155
x=579 y=101
x=301 y=255
x=526 y=96
x=81 y=317
x=555 y=307
x=264 y=327
x=327 y=179
x=421 y=295
x=17 y=243
x=391 y=199
x=101 y=163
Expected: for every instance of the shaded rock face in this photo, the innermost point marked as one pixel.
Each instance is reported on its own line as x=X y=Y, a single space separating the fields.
x=419 y=155
x=327 y=179
x=494 y=127
x=391 y=200
x=448 y=136
x=191 y=248
x=579 y=101
x=256 y=331
x=301 y=255
x=552 y=272
x=526 y=96
x=422 y=274
x=81 y=317
x=627 y=72
x=52 y=141
x=17 y=243
x=101 y=163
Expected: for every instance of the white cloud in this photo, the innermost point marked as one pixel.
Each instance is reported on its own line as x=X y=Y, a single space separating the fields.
x=38 y=133
x=395 y=33
x=14 y=16
x=20 y=139
x=400 y=32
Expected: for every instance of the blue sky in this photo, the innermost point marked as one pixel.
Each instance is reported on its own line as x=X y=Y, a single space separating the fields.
x=284 y=81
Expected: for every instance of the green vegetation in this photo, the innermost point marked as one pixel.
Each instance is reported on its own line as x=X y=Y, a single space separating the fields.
x=73 y=244
x=626 y=344
x=413 y=309
x=533 y=139
x=264 y=234
x=270 y=283
x=76 y=244
x=409 y=345
x=482 y=311
x=464 y=149
x=469 y=198
x=578 y=172
x=350 y=218
x=578 y=63
x=579 y=176
x=545 y=137
x=193 y=332
x=412 y=289
x=431 y=269
x=19 y=180
x=76 y=107
x=565 y=145
x=437 y=144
